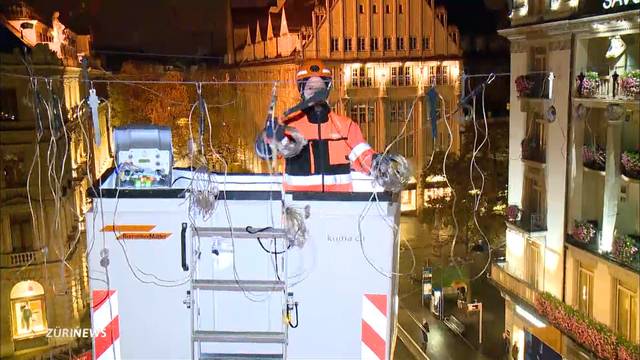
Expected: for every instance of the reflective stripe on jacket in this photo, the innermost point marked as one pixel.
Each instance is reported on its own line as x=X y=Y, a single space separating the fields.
x=335 y=146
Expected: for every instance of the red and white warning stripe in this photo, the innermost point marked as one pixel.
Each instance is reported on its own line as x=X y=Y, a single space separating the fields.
x=106 y=325
x=375 y=327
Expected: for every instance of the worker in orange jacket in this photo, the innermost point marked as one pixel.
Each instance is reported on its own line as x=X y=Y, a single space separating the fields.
x=330 y=145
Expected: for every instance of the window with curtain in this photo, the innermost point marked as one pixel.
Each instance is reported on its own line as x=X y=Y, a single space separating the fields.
x=585 y=291
x=398 y=113
x=533 y=264
x=362 y=77
x=401 y=76
x=364 y=114
x=626 y=312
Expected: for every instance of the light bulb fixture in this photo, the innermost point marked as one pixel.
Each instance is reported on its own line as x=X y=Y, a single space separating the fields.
x=550 y=114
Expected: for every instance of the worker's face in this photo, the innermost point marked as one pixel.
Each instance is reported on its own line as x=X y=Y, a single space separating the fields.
x=313 y=85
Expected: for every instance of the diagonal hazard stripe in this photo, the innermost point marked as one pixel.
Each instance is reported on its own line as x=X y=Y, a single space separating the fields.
x=374 y=318
x=379 y=301
x=104 y=340
x=373 y=341
x=100 y=297
x=366 y=353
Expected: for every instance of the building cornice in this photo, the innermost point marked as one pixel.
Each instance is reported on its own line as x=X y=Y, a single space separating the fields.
x=574 y=25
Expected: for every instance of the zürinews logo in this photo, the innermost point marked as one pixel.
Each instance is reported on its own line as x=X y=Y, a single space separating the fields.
x=75 y=333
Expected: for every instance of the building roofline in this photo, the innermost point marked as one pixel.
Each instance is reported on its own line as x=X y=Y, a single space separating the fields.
x=567 y=25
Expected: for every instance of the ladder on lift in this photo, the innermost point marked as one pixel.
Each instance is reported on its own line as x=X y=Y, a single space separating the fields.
x=240 y=286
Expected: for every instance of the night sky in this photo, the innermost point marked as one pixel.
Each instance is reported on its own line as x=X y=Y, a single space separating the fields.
x=197 y=27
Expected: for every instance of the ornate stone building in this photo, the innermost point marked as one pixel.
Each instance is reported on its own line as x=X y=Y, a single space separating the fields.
x=572 y=266
x=44 y=178
x=385 y=56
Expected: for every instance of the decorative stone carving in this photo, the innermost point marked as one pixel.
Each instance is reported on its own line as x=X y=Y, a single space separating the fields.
x=518 y=47
x=562 y=44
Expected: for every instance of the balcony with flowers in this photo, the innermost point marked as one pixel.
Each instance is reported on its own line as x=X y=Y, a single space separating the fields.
x=625 y=251
x=535 y=85
x=584 y=330
x=607 y=69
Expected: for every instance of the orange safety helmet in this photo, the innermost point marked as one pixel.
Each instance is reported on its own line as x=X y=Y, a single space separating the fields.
x=310 y=68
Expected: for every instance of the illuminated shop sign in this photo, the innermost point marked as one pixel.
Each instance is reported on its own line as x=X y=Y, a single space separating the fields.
x=612 y=4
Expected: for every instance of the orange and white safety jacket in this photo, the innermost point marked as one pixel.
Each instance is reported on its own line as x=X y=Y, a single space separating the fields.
x=335 y=146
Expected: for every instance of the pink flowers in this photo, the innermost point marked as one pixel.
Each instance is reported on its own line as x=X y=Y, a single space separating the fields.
x=625 y=249
x=583 y=231
x=589 y=84
x=523 y=85
x=593 y=335
x=630 y=84
x=594 y=157
x=631 y=164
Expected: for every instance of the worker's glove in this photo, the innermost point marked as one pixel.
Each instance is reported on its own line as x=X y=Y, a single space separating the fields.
x=390 y=171
x=291 y=143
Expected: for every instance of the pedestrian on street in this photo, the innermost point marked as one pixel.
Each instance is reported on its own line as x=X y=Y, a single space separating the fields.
x=425 y=334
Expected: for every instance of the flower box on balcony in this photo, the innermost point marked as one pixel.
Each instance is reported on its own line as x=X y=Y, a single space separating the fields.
x=631 y=164
x=584 y=231
x=588 y=84
x=591 y=334
x=531 y=150
x=626 y=250
x=630 y=84
x=523 y=85
x=594 y=157
x=536 y=85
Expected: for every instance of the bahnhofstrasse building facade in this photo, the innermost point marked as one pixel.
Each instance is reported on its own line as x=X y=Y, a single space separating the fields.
x=384 y=54
x=573 y=221
x=44 y=283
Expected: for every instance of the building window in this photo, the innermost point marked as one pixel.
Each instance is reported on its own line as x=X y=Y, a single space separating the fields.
x=585 y=291
x=400 y=9
x=387 y=43
x=364 y=114
x=8 y=104
x=432 y=74
x=398 y=116
x=425 y=43
x=361 y=44
x=399 y=43
x=413 y=43
x=374 y=9
x=387 y=9
x=373 y=44
x=626 y=312
x=21 y=224
x=28 y=310
x=334 y=44
x=533 y=263
x=347 y=44
x=442 y=75
x=539 y=58
x=534 y=199
x=361 y=9
x=362 y=77
x=534 y=143
x=401 y=76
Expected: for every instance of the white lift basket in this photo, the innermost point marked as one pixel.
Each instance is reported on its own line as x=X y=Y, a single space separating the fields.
x=167 y=284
